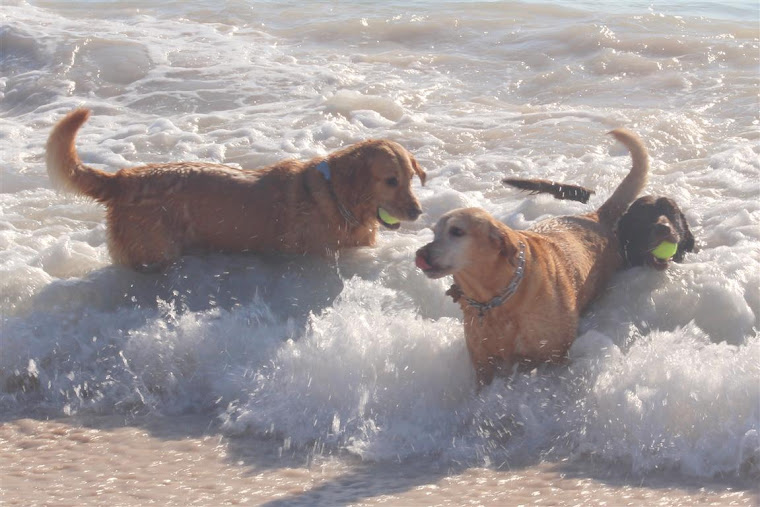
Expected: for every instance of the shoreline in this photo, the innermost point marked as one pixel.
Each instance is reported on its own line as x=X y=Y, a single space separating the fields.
x=184 y=461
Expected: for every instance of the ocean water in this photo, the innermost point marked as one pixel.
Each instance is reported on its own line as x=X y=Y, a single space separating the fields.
x=360 y=358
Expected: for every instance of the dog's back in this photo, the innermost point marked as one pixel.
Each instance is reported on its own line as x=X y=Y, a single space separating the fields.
x=587 y=243
x=156 y=211
x=611 y=211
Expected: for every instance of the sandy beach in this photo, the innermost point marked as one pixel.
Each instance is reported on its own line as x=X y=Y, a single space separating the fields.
x=184 y=462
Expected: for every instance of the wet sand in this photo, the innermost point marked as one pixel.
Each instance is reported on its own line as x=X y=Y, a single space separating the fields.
x=186 y=461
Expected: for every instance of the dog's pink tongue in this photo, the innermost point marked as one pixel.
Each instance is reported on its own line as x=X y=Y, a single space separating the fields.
x=422 y=263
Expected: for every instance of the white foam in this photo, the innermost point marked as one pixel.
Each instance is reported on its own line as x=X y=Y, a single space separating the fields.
x=663 y=404
x=350 y=103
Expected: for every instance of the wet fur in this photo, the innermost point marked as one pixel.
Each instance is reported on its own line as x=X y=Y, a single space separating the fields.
x=157 y=212
x=569 y=261
x=648 y=222
x=645 y=224
x=563 y=191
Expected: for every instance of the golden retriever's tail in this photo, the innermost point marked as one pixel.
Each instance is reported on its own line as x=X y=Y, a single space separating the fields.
x=632 y=184
x=65 y=169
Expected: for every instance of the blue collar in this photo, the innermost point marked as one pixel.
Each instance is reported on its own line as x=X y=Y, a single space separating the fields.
x=324 y=168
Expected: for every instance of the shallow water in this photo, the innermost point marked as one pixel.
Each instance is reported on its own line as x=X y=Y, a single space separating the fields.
x=178 y=462
x=356 y=366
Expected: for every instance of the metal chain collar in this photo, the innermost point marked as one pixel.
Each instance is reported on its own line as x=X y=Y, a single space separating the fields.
x=507 y=293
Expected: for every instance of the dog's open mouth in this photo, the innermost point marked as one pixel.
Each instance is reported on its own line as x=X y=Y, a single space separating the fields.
x=658 y=264
x=429 y=269
x=660 y=256
x=387 y=219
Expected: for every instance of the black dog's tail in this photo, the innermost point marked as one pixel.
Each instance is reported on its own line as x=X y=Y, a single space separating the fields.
x=562 y=191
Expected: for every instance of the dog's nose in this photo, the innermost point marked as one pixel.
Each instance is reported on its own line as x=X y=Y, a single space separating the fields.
x=663 y=227
x=415 y=212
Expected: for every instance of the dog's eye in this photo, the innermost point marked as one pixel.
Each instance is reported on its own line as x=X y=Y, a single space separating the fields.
x=392 y=182
x=456 y=232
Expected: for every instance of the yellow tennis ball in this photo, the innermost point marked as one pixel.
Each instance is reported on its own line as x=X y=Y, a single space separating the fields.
x=665 y=250
x=387 y=217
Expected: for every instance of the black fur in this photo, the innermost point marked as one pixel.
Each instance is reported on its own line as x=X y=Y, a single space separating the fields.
x=649 y=221
x=562 y=191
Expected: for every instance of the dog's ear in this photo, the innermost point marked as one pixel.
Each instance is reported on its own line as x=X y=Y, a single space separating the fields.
x=687 y=243
x=349 y=169
x=418 y=170
x=670 y=209
x=623 y=226
x=631 y=236
x=501 y=243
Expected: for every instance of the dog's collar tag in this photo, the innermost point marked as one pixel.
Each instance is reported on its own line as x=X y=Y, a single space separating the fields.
x=324 y=168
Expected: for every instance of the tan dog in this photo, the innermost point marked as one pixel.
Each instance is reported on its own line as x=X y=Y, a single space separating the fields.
x=522 y=292
x=159 y=211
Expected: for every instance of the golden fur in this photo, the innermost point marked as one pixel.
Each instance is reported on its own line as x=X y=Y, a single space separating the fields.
x=155 y=213
x=568 y=262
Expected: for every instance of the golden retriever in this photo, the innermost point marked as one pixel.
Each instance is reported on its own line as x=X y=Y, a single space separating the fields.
x=522 y=292
x=157 y=212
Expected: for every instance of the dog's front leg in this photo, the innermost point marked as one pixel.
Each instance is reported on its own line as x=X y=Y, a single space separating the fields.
x=485 y=372
x=484 y=364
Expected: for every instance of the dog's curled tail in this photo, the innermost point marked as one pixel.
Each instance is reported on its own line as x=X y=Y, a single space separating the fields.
x=65 y=169
x=632 y=184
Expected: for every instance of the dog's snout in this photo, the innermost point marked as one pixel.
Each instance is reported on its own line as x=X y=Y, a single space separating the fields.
x=663 y=227
x=414 y=212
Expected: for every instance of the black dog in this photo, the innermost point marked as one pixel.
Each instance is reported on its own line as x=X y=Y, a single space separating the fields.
x=648 y=222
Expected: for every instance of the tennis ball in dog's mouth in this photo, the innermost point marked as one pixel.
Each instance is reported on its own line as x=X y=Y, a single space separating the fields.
x=665 y=250
x=387 y=217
